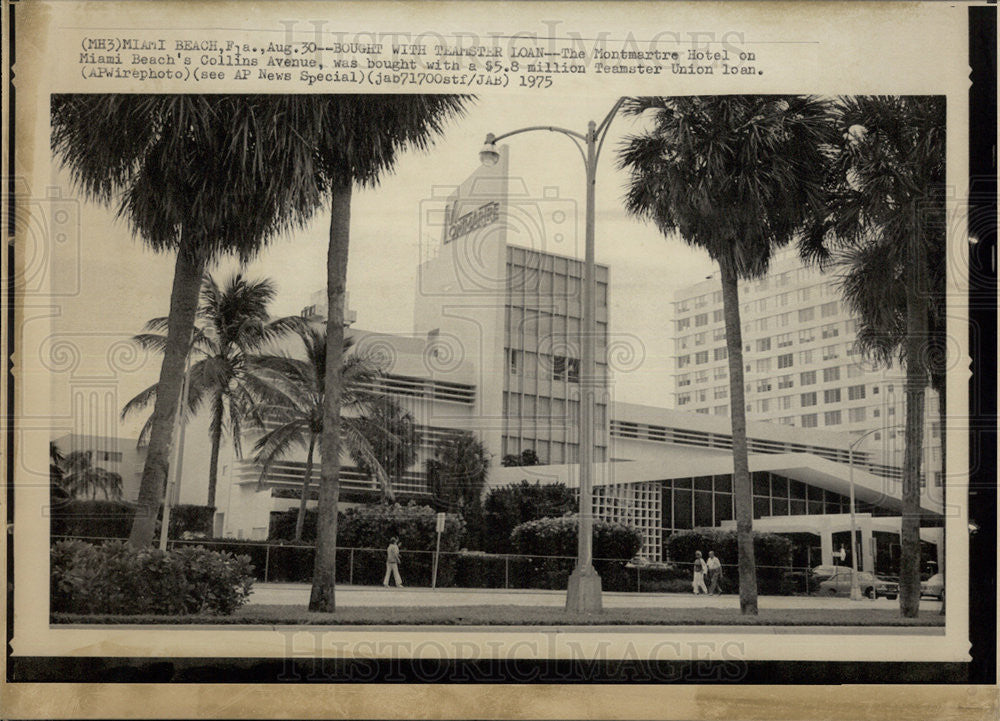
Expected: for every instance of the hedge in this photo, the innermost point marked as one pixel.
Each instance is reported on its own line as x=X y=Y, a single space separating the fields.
x=113 y=578
x=507 y=507
x=772 y=554
x=113 y=519
x=373 y=525
x=614 y=545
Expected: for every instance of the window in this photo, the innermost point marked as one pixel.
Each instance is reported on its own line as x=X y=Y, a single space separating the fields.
x=784 y=403
x=856 y=393
x=785 y=382
x=720 y=353
x=807 y=399
x=874 y=390
x=783 y=320
x=683 y=307
x=565 y=369
x=831 y=375
x=763 y=344
x=782 y=299
x=701 y=376
x=784 y=340
x=809 y=420
x=701 y=301
x=855 y=415
x=855 y=371
x=806 y=314
x=701 y=356
x=683 y=361
x=831 y=418
x=783 y=279
x=719 y=334
x=805 y=357
x=764 y=405
x=683 y=399
x=764 y=385
x=830 y=352
x=720 y=372
x=763 y=365
x=807 y=336
x=807 y=378
x=720 y=410
x=699 y=339
x=831 y=331
x=802 y=294
x=717 y=296
x=684 y=380
x=876 y=412
x=701 y=319
x=760 y=325
x=787 y=420
x=828 y=309
x=682 y=343
x=513 y=361
x=721 y=392
x=785 y=360
x=831 y=395
x=683 y=324
x=717 y=316
x=701 y=396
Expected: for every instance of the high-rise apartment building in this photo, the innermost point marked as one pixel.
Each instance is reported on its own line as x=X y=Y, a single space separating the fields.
x=802 y=367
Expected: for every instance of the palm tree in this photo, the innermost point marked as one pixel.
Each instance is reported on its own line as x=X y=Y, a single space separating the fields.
x=736 y=176
x=81 y=476
x=456 y=476
x=233 y=324
x=289 y=394
x=886 y=215
x=184 y=171
x=392 y=436
x=359 y=139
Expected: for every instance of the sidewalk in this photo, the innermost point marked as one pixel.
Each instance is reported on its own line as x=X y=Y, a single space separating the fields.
x=297 y=594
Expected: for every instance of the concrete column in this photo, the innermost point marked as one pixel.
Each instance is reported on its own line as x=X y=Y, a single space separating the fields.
x=826 y=545
x=867 y=557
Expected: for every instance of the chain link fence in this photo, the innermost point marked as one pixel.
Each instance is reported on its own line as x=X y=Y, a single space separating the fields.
x=293 y=563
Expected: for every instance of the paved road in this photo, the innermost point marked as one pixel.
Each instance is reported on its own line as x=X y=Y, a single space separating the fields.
x=297 y=594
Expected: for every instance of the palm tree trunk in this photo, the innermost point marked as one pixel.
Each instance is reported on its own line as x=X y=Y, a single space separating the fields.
x=300 y=520
x=742 y=497
x=188 y=270
x=916 y=383
x=213 y=463
x=322 y=597
x=942 y=416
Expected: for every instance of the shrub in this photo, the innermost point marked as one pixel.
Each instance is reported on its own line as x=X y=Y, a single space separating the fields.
x=772 y=553
x=93 y=519
x=191 y=519
x=283 y=525
x=614 y=545
x=113 y=578
x=507 y=507
x=372 y=526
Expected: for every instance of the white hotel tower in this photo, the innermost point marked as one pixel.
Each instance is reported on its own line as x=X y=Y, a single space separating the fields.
x=802 y=367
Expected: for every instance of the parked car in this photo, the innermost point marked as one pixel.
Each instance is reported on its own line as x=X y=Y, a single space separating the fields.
x=836 y=581
x=933 y=586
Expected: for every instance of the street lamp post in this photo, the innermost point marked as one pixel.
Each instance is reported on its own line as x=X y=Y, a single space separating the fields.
x=584 y=591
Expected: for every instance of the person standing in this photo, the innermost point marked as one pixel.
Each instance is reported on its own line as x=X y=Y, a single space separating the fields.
x=714 y=574
x=698 y=583
x=392 y=563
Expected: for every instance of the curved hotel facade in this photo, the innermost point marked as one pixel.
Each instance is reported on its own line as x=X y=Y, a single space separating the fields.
x=495 y=351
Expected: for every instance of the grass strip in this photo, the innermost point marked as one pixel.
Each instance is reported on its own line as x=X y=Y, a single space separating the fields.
x=522 y=616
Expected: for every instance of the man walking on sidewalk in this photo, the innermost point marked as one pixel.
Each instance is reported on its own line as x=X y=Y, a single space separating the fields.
x=714 y=574
x=392 y=563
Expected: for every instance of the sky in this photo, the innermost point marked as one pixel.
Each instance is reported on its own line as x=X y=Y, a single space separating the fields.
x=120 y=283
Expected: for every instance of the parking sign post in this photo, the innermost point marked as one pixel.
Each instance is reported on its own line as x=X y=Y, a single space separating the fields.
x=437 y=550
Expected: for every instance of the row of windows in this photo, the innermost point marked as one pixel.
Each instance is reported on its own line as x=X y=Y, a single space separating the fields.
x=707 y=501
x=778 y=280
x=763 y=345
